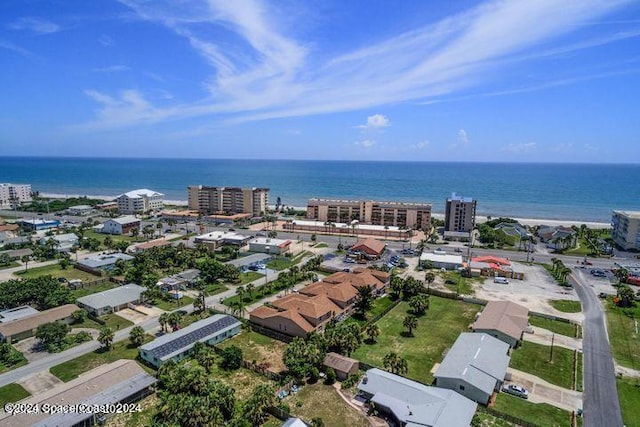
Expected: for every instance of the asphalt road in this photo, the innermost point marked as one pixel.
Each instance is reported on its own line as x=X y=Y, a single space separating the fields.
x=600 y=397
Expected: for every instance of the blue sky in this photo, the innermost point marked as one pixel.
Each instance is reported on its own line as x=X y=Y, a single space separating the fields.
x=525 y=80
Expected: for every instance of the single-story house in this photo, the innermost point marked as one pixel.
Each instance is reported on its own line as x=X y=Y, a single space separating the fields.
x=141 y=247
x=25 y=327
x=120 y=225
x=413 y=404
x=217 y=239
x=99 y=263
x=492 y=266
x=122 y=381
x=475 y=366
x=557 y=237
x=63 y=242
x=342 y=365
x=112 y=300
x=267 y=245
x=39 y=224
x=368 y=248
x=179 y=281
x=446 y=261
x=15 y=254
x=80 y=210
x=17 y=313
x=177 y=345
x=504 y=320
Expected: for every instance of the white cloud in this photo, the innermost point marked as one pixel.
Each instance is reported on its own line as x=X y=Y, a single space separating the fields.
x=375 y=122
x=17 y=49
x=367 y=143
x=463 y=138
x=37 y=25
x=520 y=148
x=106 y=41
x=562 y=148
x=264 y=72
x=419 y=145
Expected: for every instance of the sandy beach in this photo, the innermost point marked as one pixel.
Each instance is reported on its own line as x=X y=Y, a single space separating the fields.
x=105 y=198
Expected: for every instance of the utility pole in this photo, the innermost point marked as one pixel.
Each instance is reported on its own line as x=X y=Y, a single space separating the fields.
x=551 y=351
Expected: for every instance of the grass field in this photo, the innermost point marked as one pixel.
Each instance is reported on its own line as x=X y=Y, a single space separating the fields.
x=540 y=414
x=215 y=288
x=78 y=293
x=462 y=284
x=323 y=401
x=249 y=277
x=629 y=396
x=173 y=304
x=566 y=306
x=562 y=328
x=379 y=305
x=282 y=263
x=437 y=330
x=259 y=348
x=534 y=359
x=320 y=245
x=114 y=237
x=121 y=350
x=484 y=419
x=623 y=335
x=113 y=321
x=12 y=393
x=12 y=264
x=54 y=270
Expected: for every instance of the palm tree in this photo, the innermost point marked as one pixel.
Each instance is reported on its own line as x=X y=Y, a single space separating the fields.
x=395 y=364
x=164 y=320
x=250 y=288
x=372 y=331
x=25 y=259
x=410 y=322
x=136 y=336
x=108 y=242
x=174 y=320
x=419 y=304
x=105 y=338
x=199 y=302
x=159 y=228
x=429 y=277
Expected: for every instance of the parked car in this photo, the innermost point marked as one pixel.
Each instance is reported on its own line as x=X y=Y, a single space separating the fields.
x=449 y=282
x=253 y=268
x=602 y=295
x=501 y=280
x=516 y=391
x=349 y=261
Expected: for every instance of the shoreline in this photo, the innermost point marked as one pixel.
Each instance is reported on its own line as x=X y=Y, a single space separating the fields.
x=479 y=218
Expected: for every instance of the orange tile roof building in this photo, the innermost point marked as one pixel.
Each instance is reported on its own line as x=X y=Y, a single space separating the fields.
x=370 y=248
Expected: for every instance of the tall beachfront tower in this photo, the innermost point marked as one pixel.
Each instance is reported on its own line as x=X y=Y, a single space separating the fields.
x=230 y=200
x=460 y=214
x=626 y=229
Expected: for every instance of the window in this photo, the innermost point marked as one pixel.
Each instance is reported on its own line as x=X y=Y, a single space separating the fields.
x=461 y=387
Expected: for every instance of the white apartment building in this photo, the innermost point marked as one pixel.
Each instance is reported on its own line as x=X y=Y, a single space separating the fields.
x=139 y=201
x=12 y=193
x=626 y=229
x=228 y=200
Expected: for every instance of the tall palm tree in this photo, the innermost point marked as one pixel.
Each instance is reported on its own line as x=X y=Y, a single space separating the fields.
x=373 y=331
x=25 y=259
x=106 y=337
x=164 y=321
x=174 y=320
x=410 y=322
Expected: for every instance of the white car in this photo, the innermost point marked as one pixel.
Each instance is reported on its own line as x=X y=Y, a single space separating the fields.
x=516 y=391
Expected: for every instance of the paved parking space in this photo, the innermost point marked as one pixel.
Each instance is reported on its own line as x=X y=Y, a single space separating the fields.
x=39 y=382
x=149 y=311
x=131 y=315
x=250 y=259
x=541 y=391
x=599 y=284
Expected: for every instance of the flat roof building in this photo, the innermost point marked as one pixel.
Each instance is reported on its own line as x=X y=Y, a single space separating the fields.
x=460 y=214
x=81 y=210
x=217 y=239
x=177 y=345
x=11 y=195
x=39 y=224
x=62 y=242
x=112 y=300
x=267 y=245
x=228 y=200
x=25 y=326
x=626 y=229
x=140 y=201
x=385 y=213
x=446 y=261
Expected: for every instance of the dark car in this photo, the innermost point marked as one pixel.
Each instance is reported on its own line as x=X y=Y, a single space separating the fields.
x=602 y=295
x=449 y=282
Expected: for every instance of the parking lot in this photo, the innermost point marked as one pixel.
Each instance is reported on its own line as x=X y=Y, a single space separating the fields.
x=599 y=284
x=342 y=262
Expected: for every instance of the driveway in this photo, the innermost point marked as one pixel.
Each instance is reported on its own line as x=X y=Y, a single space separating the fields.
x=541 y=391
x=39 y=382
x=545 y=336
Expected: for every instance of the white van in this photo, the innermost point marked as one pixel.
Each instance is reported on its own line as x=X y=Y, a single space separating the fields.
x=501 y=280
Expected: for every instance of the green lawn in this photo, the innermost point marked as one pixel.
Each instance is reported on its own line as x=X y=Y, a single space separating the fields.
x=323 y=401
x=55 y=271
x=249 y=277
x=540 y=414
x=282 y=263
x=629 y=396
x=113 y=321
x=4 y=368
x=259 y=348
x=623 y=335
x=562 y=328
x=534 y=359
x=462 y=284
x=12 y=393
x=79 y=293
x=566 y=306
x=173 y=304
x=215 y=288
x=437 y=331
x=320 y=245
x=121 y=350
x=484 y=419
x=114 y=237
x=379 y=306
x=12 y=264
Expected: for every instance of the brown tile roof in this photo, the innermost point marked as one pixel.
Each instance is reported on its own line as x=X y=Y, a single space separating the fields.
x=342 y=292
x=505 y=316
x=32 y=322
x=152 y=244
x=265 y=312
x=9 y=227
x=380 y=275
x=314 y=307
x=370 y=246
x=356 y=279
x=339 y=362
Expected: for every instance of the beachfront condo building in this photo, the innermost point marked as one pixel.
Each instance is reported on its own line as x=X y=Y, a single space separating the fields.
x=626 y=229
x=228 y=200
x=398 y=214
x=460 y=214
x=12 y=195
x=139 y=201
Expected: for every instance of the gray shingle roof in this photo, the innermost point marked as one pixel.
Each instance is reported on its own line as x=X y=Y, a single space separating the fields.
x=113 y=297
x=415 y=403
x=477 y=359
x=104 y=260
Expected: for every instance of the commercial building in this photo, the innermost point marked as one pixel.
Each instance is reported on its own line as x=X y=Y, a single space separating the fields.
x=267 y=245
x=343 y=366
x=475 y=366
x=39 y=224
x=228 y=200
x=25 y=326
x=121 y=225
x=177 y=345
x=80 y=210
x=11 y=195
x=368 y=248
x=492 y=266
x=97 y=264
x=437 y=260
x=504 y=320
x=62 y=242
x=626 y=229
x=122 y=381
x=354 y=228
x=139 y=201
x=112 y=300
x=410 y=403
x=217 y=239
x=398 y=214
x=459 y=214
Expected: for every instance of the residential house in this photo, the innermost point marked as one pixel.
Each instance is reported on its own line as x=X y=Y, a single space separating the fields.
x=122 y=381
x=112 y=300
x=62 y=242
x=343 y=366
x=441 y=260
x=368 y=248
x=557 y=237
x=504 y=320
x=413 y=404
x=140 y=201
x=17 y=313
x=97 y=264
x=177 y=345
x=120 y=225
x=267 y=245
x=359 y=277
x=294 y=422
x=15 y=254
x=141 y=247
x=475 y=366
x=180 y=281
x=26 y=326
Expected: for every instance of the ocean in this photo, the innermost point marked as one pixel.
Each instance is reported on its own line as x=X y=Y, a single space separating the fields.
x=584 y=192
